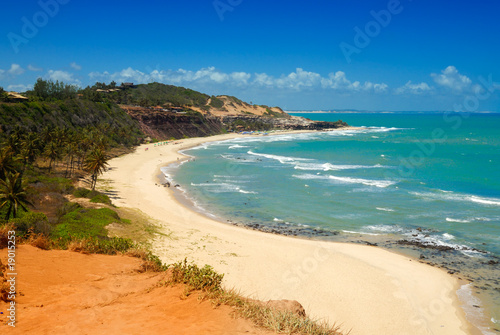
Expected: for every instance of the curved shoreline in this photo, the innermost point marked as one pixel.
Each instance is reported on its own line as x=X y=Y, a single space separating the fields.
x=366 y=289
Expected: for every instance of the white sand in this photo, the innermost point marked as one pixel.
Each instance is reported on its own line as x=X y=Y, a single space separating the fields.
x=367 y=290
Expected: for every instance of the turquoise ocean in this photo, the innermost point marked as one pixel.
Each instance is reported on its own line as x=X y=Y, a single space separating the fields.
x=424 y=184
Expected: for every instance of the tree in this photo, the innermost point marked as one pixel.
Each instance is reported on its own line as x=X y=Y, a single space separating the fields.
x=13 y=194
x=7 y=162
x=3 y=95
x=30 y=145
x=95 y=164
x=52 y=152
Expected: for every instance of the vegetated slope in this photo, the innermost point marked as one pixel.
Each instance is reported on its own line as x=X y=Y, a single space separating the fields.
x=157 y=94
x=71 y=114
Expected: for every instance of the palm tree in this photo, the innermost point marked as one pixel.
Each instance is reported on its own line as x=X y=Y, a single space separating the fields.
x=95 y=164
x=13 y=194
x=7 y=162
x=30 y=145
x=52 y=152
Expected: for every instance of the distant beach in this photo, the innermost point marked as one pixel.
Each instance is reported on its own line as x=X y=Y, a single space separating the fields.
x=365 y=289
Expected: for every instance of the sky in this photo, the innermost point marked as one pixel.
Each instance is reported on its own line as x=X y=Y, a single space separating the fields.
x=407 y=55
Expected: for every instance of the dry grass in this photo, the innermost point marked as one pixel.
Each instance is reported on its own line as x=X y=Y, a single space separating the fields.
x=40 y=242
x=4 y=234
x=209 y=282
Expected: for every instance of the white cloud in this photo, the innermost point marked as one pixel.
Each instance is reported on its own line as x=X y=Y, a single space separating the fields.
x=413 y=88
x=19 y=88
x=15 y=70
x=75 y=66
x=2 y=73
x=34 y=68
x=452 y=79
x=210 y=76
x=66 y=77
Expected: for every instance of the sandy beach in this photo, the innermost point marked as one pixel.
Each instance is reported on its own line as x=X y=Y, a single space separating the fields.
x=366 y=290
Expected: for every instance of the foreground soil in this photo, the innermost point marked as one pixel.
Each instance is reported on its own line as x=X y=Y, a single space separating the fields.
x=63 y=292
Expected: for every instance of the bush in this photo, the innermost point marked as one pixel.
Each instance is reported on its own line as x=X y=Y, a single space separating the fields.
x=204 y=279
x=81 y=192
x=85 y=223
x=101 y=198
x=32 y=223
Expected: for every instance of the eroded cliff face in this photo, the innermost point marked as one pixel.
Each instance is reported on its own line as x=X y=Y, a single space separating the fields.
x=164 y=124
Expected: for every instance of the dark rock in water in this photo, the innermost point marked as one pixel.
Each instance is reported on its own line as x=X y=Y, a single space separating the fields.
x=422 y=256
x=370 y=244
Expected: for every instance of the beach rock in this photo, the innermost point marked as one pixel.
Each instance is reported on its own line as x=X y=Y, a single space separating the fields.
x=292 y=306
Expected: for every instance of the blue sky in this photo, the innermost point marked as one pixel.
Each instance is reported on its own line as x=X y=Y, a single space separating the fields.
x=321 y=54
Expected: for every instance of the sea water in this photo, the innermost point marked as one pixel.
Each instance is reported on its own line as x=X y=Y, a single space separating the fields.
x=430 y=179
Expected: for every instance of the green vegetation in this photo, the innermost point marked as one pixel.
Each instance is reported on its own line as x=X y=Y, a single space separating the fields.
x=271 y=113
x=216 y=103
x=209 y=283
x=13 y=194
x=84 y=223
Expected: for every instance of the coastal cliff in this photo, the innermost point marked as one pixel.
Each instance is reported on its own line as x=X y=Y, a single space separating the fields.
x=163 y=123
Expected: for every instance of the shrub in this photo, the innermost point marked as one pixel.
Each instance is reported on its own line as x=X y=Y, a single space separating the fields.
x=204 y=279
x=81 y=192
x=101 y=198
x=32 y=223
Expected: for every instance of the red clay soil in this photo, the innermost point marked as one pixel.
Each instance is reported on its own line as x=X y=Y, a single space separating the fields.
x=62 y=292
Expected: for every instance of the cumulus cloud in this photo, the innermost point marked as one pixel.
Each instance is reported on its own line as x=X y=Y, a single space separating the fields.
x=450 y=78
x=75 y=66
x=19 y=88
x=15 y=70
x=34 y=68
x=66 y=77
x=295 y=81
x=411 y=88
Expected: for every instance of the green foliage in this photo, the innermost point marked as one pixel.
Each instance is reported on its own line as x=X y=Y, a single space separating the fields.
x=85 y=223
x=13 y=194
x=81 y=192
x=154 y=94
x=204 y=279
x=271 y=113
x=216 y=103
x=107 y=246
x=101 y=198
x=71 y=115
x=95 y=164
x=47 y=90
x=32 y=223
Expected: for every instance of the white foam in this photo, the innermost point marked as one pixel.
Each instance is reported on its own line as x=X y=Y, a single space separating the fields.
x=281 y=159
x=385 y=209
x=237 y=146
x=332 y=167
x=473 y=313
x=448 y=195
x=223 y=188
x=457 y=220
x=376 y=183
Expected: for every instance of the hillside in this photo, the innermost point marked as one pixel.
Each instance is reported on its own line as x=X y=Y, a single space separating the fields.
x=71 y=114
